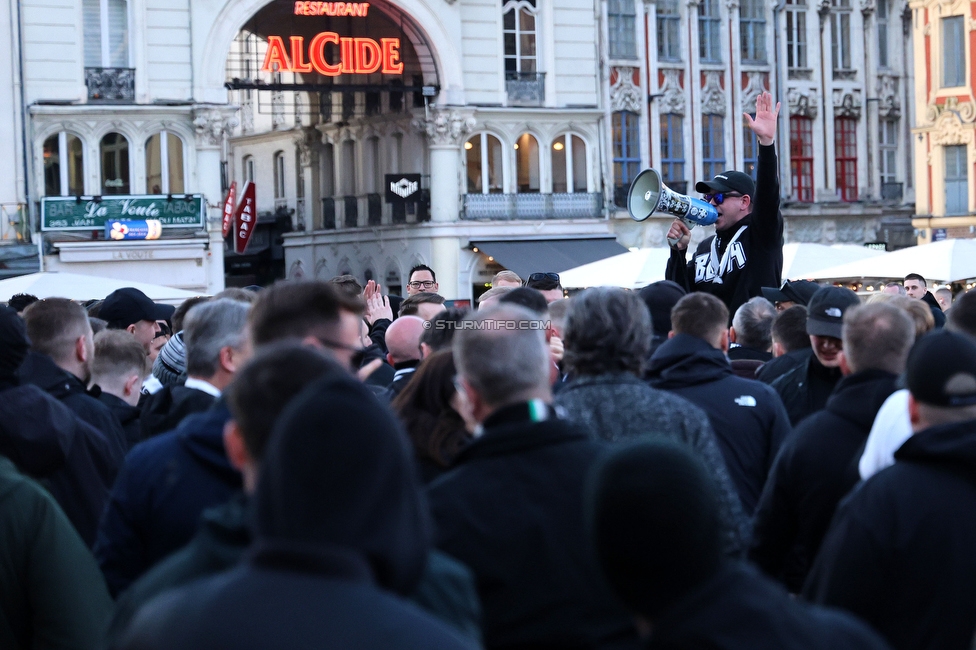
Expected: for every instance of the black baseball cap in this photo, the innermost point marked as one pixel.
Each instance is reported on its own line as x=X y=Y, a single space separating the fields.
x=941 y=369
x=798 y=291
x=825 y=312
x=123 y=307
x=728 y=181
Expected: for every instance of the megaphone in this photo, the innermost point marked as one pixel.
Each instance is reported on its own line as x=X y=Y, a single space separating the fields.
x=648 y=194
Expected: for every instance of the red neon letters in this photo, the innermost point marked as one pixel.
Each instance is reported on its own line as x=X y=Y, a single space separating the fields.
x=356 y=55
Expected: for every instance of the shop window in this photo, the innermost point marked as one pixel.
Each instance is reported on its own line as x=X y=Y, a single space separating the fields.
x=626 y=154
x=527 y=163
x=64 y=165
x=114 y=154
x=164 y=164
x=801 y=158
x=483 y=156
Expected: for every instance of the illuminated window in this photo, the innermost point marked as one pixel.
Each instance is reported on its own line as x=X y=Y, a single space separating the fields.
x=527 y=163
x=626 y=154
x=568 y=164
x=752 y=31
x=621 y=25
x=519 y=23
x=483 y=156
x=672 y=149
x=106 y=29
x=164 y=164
x=114 y=153
x=709 y=30
x=845 y=154
x=64 y=165
x=801 y=157
x=713 y=145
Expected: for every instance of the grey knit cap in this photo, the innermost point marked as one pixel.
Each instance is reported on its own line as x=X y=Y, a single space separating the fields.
x=170 y=365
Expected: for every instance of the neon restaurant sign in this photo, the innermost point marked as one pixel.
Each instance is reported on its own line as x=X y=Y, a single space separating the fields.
x=355 y=55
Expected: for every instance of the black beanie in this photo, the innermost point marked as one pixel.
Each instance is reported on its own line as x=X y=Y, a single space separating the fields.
x=14 y=345
x=338 y=472
x=653 y=520
x=660 y=298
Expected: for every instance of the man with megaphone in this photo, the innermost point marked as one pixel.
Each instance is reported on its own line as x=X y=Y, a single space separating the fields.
x=746 y=252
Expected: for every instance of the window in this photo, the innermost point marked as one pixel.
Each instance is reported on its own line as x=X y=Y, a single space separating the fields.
x=348 y=169
x=279 y=175
x=953 y=52
x=568 y=164
x=164 y=164
x=750 y=151
x=713 y=145
x=801 y=157
x=519 y=33
x=709 y=30
x=247 y=165
x=888 y=146
x=64 y=165
x=840 y=34
x=621 y=23
x=956 y=180
x=106 y=29
x=672 y=149
x=484 y=177
x=845 y=155
x=114 y=153
x=626 y=154
x=527 y=163
x=752 y=31
x=668 y=31
x=882 y=32
x=796 y=34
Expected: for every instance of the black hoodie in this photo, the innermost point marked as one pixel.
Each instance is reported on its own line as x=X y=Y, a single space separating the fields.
x=937 y=314
x=747 y=416
x=899 y=553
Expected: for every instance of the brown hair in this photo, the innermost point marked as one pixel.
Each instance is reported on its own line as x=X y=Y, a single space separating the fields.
x=409 y=307
x=177 y=319
x=290 y=309
x=877 y=336
x=790 y=329
x=54 y=324
x=701 y=315
x=348 y=284
x=117 y=354
x=919 y=311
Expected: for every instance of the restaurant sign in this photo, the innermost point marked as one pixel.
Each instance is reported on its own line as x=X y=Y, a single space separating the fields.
x=92 y=213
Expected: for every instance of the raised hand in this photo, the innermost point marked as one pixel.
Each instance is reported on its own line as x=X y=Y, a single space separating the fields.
x=764 y=125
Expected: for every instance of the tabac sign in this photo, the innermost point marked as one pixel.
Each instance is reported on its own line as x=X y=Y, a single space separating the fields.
x=92 y=213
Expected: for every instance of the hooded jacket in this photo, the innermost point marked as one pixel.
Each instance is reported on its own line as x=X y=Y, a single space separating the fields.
x=747 y=416
x=806 y=388
x=340 y=528
x=166 y=408
x=52 y=594
x=756 y=256
x=779 y=366
x=164 y=486
x=899 y=553
x=48 y=442
x=815 y=468
x=937 y=314
x=127 y=415
x=739 y=609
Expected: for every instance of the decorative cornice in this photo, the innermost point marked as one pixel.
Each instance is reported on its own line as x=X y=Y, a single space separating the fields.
x=211 y=124
x=802 y=103
x=847 y=104
x=887 y=92
x=754 y=88
x=445 y=127
x=672 y=95
x=624 y=94
x=713 y=97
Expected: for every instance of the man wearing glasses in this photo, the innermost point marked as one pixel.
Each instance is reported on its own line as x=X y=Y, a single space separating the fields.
x=547 y=284
x=422 y=279
x=746 y=252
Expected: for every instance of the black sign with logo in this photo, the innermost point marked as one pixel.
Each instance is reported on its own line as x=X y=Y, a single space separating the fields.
x=402 y=188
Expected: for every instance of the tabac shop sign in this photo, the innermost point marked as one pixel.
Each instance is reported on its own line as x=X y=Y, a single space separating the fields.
x=87 y=213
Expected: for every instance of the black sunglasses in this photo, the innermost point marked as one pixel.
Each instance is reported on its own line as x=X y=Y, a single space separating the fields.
x=536 y=277
x=720 y=197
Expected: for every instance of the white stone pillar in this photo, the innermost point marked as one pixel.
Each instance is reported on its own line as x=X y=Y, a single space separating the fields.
x=445 y=259
x=445 y=129
x=212 y=124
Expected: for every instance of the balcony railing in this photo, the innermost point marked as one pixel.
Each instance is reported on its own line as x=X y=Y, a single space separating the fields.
x=111 y=85
x=345 y=211
x=503 y=207
x=525 y=88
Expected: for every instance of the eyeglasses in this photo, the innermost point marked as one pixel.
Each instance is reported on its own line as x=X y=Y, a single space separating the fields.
x=536 y=277
x=417 y=284
x=720 y=197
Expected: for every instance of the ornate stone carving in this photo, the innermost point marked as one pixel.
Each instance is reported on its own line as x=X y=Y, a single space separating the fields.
x=303 y=144
x=211 y=125
x=888 y=104
x=713 y=97
x=847 y=104
x=754 y=88
x=867 y=7
x=672 y=95
x=247 y=117
x=802 y=103
x=445 y=126
x=624 y=94
x=951 y=129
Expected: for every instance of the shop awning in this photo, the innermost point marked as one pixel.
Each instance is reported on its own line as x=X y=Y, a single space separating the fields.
x=548 y=255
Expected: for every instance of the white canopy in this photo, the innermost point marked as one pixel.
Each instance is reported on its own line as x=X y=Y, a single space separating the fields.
x=950 y=260
x=628 y=270
x=799 y=260
x=84 y=287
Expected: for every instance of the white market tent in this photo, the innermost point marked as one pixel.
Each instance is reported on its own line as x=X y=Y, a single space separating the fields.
x=84 y=287
x=950 y=260
x=800 y=260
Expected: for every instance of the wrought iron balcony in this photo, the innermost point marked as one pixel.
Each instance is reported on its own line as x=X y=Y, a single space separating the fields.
x=111 y=85
x=525 y=88
x=501 y=207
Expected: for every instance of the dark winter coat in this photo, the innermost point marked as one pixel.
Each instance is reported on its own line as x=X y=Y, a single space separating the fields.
x=50 y=443
x=164 y=486
x=165 y=409
x=815 y=469
x=512 y=511
x=937 y=314
x=779 y=366
x=621 y=407
x=756 y=259
x=127 y=415
x=899 y=553
x=747 y=416
x=740 y=609
x=806 y=388
x=740 y=352
x=52 y=594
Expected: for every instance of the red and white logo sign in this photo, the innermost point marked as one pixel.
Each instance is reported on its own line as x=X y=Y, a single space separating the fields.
x=229 y=203
x=245 y=219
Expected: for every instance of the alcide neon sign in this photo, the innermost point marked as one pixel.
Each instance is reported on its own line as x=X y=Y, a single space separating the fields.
x=356 y=55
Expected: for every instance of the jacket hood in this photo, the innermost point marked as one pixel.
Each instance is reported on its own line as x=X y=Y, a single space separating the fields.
x=950 y=445
x=36 y=430
x=930 y=300
x=859 y=397
x=202 y=436
x=686 y=360
x=339 y=474
x=40 y=370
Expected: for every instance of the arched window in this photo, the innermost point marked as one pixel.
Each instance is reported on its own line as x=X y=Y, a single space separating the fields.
x=527 y=163
x=114 y=153
x=247 y=169
x=164 y=164
x=483 y=153
x=64 y=166
x=568 y=164
x=279 y=175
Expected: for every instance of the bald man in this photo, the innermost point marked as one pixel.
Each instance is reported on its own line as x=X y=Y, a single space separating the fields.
x=403 y=345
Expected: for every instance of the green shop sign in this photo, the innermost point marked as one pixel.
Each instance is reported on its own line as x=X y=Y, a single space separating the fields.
x=87 y=213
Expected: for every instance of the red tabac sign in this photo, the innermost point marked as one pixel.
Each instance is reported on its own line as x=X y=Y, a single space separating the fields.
x=245 y=219
x=355 y=55
x=228 y=221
